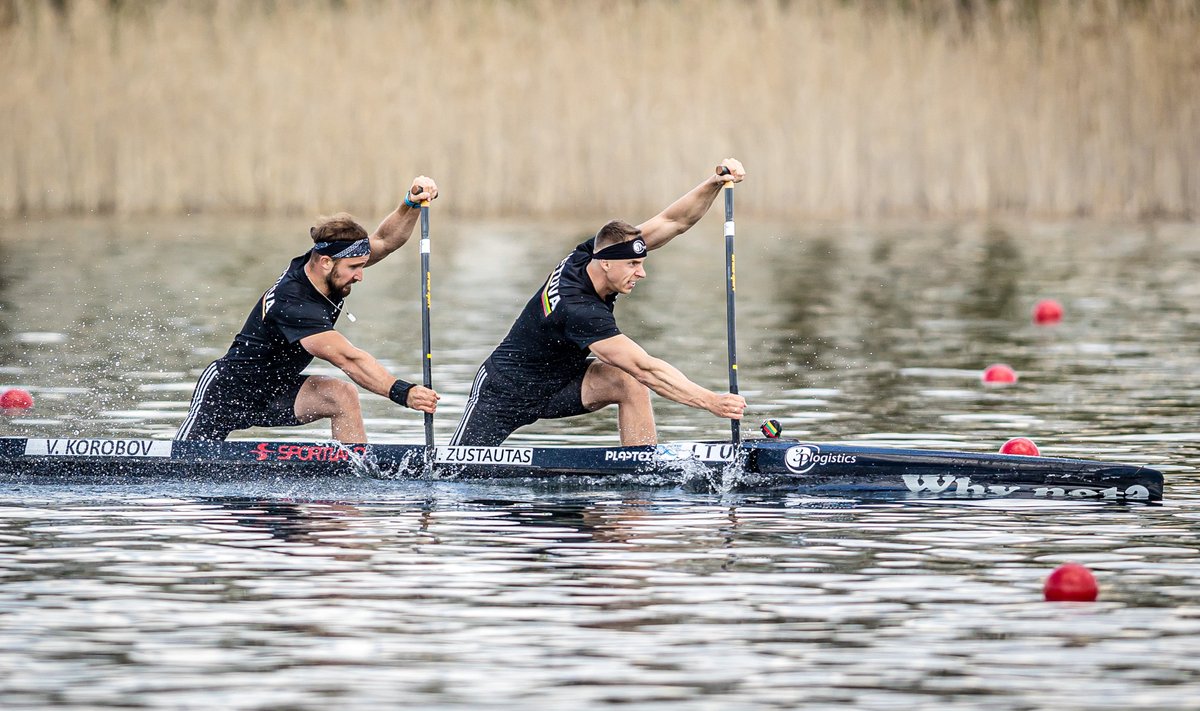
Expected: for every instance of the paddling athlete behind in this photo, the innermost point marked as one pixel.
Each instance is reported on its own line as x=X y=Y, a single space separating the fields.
x=258 y=383
x=565 y=356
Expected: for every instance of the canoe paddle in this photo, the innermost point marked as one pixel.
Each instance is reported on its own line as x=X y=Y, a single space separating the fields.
x=730 y=288
x=426 y=297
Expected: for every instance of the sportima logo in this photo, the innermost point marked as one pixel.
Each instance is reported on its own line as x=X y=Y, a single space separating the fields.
x=639 y=246
x=802 y=458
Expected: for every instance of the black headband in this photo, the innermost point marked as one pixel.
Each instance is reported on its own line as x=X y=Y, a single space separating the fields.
x=633 y=249
x=343 y=249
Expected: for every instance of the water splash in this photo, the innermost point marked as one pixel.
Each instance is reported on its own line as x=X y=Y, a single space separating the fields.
x=363 y=463
x=412 y=465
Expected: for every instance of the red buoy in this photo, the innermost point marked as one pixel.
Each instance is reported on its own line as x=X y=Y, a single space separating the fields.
x=1047 y=311
x=1020 y=445
x=1071 y=582
x=998 y=374
x=16 y=399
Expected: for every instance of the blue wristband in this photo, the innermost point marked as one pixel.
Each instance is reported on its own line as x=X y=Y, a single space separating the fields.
x=408 y=201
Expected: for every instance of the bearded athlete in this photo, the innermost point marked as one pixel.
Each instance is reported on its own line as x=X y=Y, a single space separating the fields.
x=259 y=381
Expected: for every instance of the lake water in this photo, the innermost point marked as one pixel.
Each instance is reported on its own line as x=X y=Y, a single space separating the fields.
x=359 y=594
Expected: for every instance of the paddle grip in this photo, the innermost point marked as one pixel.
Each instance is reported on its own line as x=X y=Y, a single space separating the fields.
x=416 y=190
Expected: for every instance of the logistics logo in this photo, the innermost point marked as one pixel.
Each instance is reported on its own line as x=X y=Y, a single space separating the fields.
x=804 y=457
x=801 y=459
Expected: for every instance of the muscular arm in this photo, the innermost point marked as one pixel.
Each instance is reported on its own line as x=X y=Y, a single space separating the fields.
x=363 y=369
x=397 y=227
x=680 y=215
x=664 y=378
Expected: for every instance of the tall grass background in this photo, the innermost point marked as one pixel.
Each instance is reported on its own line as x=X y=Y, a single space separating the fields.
x=546 y=107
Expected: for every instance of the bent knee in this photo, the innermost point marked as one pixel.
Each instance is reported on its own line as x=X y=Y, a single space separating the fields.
x=615 y=386
x=346 y=393
x=631 y=389
x=339 y=393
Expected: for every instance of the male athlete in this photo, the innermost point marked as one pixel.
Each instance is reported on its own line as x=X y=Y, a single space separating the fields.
x=258 y=383
x=565 y=355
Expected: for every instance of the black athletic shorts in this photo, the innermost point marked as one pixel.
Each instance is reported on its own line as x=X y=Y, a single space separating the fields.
x=223 y=403
x=493 y=412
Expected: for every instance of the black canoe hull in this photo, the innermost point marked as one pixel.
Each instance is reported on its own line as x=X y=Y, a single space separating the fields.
x=767 y=465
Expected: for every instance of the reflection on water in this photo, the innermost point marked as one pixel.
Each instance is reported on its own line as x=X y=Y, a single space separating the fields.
x=457 y=598
x=354 y=593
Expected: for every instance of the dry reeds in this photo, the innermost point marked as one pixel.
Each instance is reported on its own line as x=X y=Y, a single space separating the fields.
x=1075 y=107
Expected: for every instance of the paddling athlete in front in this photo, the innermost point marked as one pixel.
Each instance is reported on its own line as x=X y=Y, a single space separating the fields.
x=258 y=383
x=565 y=356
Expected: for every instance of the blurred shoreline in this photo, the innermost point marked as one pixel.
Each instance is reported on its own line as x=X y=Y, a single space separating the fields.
x=875 y=110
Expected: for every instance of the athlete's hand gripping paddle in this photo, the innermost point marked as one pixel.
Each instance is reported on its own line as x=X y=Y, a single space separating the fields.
x=426 y=298
x=730 y=288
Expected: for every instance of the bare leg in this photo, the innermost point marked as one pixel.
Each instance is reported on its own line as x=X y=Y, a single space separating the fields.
x=322 y=397
x=608 y=385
